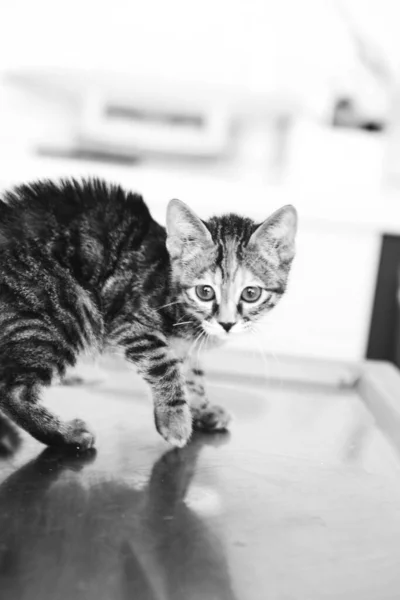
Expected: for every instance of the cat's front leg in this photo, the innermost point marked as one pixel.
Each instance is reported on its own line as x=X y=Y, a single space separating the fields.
x=160 y=367
x=206 y=416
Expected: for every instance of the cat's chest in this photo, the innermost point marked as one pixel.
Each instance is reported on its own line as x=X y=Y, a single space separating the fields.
x=180 y=346
x=183 y=348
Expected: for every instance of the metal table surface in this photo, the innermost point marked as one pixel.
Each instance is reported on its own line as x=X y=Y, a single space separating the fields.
x=300 y=501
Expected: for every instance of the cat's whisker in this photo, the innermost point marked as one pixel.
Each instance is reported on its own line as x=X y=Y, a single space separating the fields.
x=197 y=342
x=198 y=337
x=170 y=304
x=203 y=341
x=198 y=351
x=270 y=353
x=261 y=351
x=184 y=323
x=185 y=316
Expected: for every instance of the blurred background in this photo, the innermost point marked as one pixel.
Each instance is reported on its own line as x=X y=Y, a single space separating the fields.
x=230 y=106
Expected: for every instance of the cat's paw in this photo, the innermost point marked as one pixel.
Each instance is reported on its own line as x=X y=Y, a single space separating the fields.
x=211 y=418
x=174 y=424
x=78 y=435
x=58 y=459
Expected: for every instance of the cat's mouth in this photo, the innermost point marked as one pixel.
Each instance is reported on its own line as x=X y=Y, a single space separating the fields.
x=221 y=331
x=214 y=330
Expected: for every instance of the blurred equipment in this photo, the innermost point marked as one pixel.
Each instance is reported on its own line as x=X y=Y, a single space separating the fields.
x=114 y=116
x=362 y=99
x=149 y=124
x=121 y=116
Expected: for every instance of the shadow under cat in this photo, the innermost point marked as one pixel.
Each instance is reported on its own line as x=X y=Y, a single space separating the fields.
x=10 y=439
x=66 y=536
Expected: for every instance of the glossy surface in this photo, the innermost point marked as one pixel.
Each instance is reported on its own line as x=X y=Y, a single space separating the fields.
x=301 y=501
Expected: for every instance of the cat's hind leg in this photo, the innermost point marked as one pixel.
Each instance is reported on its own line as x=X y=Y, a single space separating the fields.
x=31 y=353
x=22 y=404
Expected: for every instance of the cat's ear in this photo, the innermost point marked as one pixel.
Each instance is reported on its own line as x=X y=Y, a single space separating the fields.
x=186 y=232
x=278 y=231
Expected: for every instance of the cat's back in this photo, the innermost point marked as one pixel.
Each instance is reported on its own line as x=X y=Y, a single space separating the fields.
x=44 y=209
x=89 y=228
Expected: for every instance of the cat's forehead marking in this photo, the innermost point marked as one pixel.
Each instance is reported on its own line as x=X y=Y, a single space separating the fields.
x=217 y=277
x=229 y=289
x=213 y=278
x=229 y=263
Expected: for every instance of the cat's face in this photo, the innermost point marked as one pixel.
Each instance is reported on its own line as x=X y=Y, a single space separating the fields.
x=229 y=272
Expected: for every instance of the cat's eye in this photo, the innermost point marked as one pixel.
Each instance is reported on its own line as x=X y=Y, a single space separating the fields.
x=205 y=293
x=252 y=293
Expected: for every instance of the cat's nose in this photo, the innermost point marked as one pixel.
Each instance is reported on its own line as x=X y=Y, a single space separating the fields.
x=226 y=326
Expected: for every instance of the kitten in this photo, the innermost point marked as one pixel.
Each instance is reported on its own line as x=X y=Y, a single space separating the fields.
x=84 y=265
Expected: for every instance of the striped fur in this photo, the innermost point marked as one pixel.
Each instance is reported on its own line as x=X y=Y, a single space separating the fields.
x=83 y=266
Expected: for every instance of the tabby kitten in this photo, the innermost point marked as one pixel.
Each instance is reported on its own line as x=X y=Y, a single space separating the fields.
x=84 y=266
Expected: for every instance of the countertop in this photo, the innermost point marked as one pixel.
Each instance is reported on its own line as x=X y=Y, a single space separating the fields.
x=301 y=500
